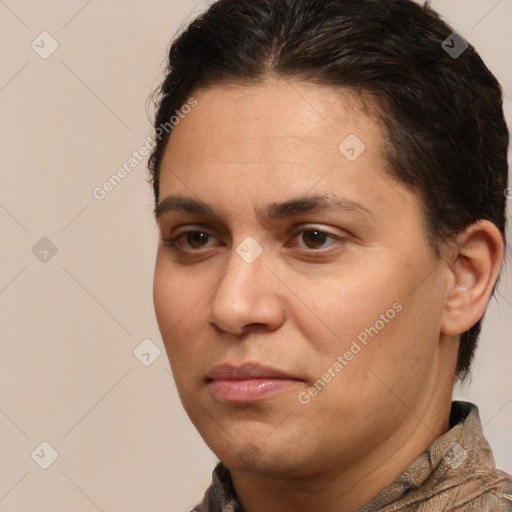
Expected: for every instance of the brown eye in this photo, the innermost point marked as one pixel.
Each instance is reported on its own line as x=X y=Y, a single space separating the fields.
x=196 y=239
x=314 y=237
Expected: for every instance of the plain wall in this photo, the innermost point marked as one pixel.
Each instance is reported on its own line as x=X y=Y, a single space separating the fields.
x=70 y=324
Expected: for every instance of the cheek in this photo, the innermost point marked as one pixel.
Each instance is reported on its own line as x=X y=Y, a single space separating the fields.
x=401 y=346
x=377 y=316
x=177 y=311
x=164 y=297
x=348 y=307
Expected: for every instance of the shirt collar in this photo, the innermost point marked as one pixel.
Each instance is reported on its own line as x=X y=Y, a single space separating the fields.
x=445 y=464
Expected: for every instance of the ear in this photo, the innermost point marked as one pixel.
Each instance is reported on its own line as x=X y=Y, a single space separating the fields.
x=474 y=267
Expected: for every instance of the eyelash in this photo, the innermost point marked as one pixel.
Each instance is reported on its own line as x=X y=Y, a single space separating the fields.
x=172 y=241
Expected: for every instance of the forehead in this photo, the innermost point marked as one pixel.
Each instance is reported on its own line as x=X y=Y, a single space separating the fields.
x=278 y=109
x=298 y=128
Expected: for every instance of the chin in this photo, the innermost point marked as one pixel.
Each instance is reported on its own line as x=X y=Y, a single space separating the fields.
x=260 y=450
x=250 y=457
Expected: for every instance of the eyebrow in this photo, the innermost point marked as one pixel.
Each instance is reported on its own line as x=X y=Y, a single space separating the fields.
x=178 y=203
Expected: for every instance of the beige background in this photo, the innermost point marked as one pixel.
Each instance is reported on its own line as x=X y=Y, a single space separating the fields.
x=69 y=326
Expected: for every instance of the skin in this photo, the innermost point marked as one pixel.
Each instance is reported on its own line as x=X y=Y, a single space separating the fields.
x=303 y=301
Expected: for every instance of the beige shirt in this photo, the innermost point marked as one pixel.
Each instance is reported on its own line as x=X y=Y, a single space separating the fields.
x=457 y=473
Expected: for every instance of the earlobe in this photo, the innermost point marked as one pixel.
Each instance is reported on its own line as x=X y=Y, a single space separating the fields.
x=474 y=268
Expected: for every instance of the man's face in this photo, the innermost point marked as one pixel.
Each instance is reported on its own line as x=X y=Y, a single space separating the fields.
x=353 y=283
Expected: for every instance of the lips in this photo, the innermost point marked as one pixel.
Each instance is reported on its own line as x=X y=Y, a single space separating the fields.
x=246 y=371
x=249 y=382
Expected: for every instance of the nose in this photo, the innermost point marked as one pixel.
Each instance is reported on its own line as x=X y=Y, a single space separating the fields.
x=247 y=296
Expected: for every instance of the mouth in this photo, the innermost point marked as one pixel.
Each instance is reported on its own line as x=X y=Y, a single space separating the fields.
x=249 y=382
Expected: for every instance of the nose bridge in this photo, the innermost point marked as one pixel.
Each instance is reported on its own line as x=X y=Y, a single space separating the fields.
x=245 y=294
x=247 y=262
x=241 y=284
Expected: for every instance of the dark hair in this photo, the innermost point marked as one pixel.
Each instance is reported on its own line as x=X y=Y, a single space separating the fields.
x=447 y=138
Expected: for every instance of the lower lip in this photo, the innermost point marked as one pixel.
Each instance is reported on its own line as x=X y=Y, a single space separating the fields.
x=248 y=390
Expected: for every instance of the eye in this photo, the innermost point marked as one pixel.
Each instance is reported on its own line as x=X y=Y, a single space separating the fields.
x=195 y=240
x=315 y=237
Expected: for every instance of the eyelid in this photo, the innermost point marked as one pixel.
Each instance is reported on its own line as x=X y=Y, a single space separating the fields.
x=191 y=228
x=318 y=227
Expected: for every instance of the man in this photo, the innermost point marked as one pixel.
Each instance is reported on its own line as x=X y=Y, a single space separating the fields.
x=331 y=204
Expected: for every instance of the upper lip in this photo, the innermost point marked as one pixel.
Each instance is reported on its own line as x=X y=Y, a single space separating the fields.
x=243 y=371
